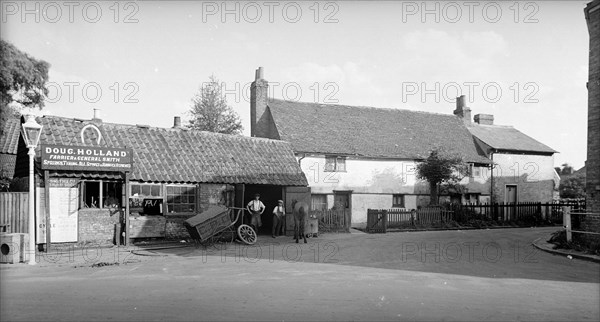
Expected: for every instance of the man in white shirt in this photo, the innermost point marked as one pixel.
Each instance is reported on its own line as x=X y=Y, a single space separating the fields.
x=278 y=215
x=256 y=208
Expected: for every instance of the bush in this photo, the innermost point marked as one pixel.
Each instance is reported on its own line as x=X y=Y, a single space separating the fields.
x=578 y=243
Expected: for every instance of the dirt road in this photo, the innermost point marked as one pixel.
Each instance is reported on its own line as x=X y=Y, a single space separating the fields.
x=237 y=284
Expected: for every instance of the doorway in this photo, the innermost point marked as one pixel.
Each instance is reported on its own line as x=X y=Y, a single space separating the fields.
x=269 y=195
x=510 y=197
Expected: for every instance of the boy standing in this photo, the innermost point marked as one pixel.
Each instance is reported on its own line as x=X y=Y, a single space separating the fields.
x=256 y=208
x=278 y=215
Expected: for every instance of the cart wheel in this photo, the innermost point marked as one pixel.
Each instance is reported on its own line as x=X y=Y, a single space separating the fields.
x=247 y=234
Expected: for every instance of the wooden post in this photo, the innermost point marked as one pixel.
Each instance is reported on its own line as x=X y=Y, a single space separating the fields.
x=567 y=222
x=46 y=202
x=385 y=220
x=127 y=209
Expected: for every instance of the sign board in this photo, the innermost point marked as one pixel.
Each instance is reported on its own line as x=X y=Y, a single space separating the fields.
x=85 y=158
x=62 y=182
x=63 y=214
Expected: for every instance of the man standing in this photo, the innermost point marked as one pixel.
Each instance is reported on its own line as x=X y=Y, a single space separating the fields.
x=278 y=215
x=256 y=208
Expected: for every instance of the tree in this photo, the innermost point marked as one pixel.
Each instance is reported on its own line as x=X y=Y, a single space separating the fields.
x=564 y=170
x=210 y=111
x=573 y=186
x=22 y=81
x=441 y=167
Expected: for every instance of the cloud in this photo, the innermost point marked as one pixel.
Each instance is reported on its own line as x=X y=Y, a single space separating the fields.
x=443 y=55
x=335 y=83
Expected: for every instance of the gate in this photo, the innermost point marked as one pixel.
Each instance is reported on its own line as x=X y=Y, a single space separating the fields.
x=14 y=212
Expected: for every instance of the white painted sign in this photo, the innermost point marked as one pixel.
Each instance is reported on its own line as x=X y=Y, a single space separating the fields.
x=63 y=214
x=40 y=215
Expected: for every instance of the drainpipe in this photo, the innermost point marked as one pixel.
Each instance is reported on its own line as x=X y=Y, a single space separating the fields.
x=300 y=160
x=492 y=180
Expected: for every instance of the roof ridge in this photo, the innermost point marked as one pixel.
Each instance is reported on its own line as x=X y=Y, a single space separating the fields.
x=495 y=125
x=358 y=106
x=158 y=128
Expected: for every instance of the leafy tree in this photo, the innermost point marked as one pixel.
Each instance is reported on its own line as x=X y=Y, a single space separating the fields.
x=22 y=81
x=572 y=186
x=439 y=168
x=210 y=111
x=565 y=169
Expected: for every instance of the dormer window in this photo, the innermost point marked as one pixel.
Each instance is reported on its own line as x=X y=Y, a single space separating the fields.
x=335 y=164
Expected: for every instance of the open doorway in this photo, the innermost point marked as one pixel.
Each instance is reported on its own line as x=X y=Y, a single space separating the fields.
x=269 y=195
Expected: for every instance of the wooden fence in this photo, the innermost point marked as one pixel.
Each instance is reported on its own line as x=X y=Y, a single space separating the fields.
x=511 y=212
x=14 y=212
x=332 y=220
x=379 y=220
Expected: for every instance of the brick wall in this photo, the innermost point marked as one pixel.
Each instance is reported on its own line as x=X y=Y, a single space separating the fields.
x=532 y=174
x=209 y=194
x=592 y=14
x=174 y=228
x=97 y=226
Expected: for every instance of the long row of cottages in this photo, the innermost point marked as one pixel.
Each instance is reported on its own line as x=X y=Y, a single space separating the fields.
x=347 y=157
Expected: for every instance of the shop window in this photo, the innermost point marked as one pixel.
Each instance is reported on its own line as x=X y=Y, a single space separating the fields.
x=398 y=201
x=335 y=164
x=181 y=199
x=318 y=202
x=101 y=194
x=146 y=198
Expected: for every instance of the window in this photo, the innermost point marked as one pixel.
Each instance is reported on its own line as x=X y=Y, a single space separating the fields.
x=472 y=198
x=474 y=171
x=318 y=202
x=146 y=198
x=398 y=201
x=335 y=164
x=181 y=199
x=101 y=194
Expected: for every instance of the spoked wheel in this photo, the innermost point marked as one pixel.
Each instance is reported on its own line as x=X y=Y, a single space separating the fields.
x=247 y=234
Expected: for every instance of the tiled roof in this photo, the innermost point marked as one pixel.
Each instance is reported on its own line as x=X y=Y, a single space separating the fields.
x=370 y=132
x=9 y=142
x=7 y=165
x=178 y=155
x=507 y=138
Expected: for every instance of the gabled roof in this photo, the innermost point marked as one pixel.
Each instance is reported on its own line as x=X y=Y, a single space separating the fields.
x=507 y=138
x=370 y=132
x=9 y=142
x=178 y=155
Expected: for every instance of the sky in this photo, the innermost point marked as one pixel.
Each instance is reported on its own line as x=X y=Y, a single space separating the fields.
x=141 y=62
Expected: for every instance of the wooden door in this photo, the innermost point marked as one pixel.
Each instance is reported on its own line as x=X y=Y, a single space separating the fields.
x=291 y=194
x=239 y=201
x=510 y=196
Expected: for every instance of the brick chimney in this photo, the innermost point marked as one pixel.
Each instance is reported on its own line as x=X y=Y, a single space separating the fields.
x=462 y=110
x=97 y=117
x=486 y=119
x=258 y=103
x=177 y=122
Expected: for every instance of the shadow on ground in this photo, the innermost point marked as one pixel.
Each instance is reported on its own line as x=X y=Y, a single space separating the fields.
x=504 y=253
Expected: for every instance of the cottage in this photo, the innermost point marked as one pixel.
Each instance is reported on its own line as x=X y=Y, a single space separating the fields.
x=523 y=168
x=358 y=158
x=95 y=176
x=362 y=157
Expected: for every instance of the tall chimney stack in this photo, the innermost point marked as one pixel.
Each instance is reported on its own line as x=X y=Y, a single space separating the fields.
x=177 y=122
x=258 y=104
x=97 y=117
x=462 y=110
x=486 y=119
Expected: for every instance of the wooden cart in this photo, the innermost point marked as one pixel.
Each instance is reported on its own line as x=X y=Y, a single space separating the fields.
x=218 y=223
